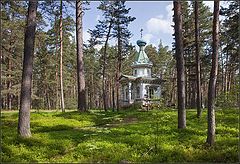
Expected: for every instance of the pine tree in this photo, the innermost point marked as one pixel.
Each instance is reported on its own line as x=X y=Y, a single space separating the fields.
x=213 y=76
x=180 y=64
x=80 y=63
x=114 y=25
x=198 y=73
x=25 y=102
x=102 y=34
x=121 y=32
x=61 y=58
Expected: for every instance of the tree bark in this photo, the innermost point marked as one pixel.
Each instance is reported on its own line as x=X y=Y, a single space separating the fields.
x=61 y=60
x=1 y=61
x=198 y=71
x=80 y=62
x=180 y=65
x=213 y=76
x=113 y=95
x=9 y=83
x=57 y=60
x=25 y=102
x=119 y=65
x=104 y=67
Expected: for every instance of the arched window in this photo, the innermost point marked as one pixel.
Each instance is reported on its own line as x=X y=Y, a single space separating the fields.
x=132 y=92
x=126 y=93
x=151 y=92
x=148 y=72
x=138 y=92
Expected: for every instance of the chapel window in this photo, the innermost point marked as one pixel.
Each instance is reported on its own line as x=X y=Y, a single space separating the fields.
x=138 y=92
x=126 y=93
x=151 y=93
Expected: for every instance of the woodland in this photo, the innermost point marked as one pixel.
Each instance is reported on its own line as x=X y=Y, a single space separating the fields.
x=60 y=95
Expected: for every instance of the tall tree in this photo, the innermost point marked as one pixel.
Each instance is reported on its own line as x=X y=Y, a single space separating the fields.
x=213 y=76
x=25 y=102
x=61 y=57
x=180 y=64
x=121 y=32
x=102 y=34
x=1 y=59
x=57 y=59
x=114 y=25
x=80 y=62
x=198 y=73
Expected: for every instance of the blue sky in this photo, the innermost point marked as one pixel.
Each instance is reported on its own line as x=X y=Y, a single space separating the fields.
x=154 y=17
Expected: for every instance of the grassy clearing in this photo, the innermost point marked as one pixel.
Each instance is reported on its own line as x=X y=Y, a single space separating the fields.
x=125 y=136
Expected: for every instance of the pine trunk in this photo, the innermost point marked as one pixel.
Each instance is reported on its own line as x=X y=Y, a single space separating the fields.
x=9 y=85
x=80 y=63
x=57 y=60
x=213 y=76
x=180 y=65
x=1 y=61
x=25 y=102
x=119 y=65
x=113 y=95
x=104 y=67
x=198 y=73
x=61 y=60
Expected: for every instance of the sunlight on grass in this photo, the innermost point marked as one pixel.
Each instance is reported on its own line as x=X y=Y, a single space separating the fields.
x=124 y=136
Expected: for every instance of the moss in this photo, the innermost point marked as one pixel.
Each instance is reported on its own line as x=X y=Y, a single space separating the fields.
x=129 y=135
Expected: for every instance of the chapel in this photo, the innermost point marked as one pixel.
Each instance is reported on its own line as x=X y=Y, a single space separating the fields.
x=139 y=86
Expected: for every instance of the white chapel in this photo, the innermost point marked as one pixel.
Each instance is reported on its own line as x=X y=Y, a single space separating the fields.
x=140 y=85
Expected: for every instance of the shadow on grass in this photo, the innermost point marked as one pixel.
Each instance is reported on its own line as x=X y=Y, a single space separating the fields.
x=137 y=138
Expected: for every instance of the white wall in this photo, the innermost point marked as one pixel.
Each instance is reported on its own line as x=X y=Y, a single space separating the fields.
x=142 y=72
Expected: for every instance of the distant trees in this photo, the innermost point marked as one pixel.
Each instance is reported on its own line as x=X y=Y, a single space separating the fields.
x=121 y=32
x=114 y=25
x=25 y=99
x=213 y=76
x=102 y=34
x=229 y=56
x=179 y=64
x=104 y=66
x=204 y=48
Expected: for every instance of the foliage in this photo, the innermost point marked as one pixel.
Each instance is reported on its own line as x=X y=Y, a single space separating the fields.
x=113 y=137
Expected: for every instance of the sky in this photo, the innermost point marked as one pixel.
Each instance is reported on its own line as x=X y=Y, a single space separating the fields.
x=154 y=17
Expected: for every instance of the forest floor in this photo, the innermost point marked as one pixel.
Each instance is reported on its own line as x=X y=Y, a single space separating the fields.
x=126 y=136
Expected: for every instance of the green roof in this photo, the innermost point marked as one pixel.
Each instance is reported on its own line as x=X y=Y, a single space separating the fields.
x=141 y=57
x=144 y=79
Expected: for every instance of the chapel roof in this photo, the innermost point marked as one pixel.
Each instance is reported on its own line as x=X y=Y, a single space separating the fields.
x=142 y=79
x=141 y=57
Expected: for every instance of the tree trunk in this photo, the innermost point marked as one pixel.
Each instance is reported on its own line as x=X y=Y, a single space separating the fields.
x=113 y=95
x=226 y=72
x=180 y=65
x=119 y=65
x=61 y=59
x=80 y=62
x=25 y=102
x=9 y=84
x=198 y=73
x=91 y=92
x=1 y=61
x=56 y=53
x=104 y=67
x=213 y=76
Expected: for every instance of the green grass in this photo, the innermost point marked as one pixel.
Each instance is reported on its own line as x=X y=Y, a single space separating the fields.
x=131 y=135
